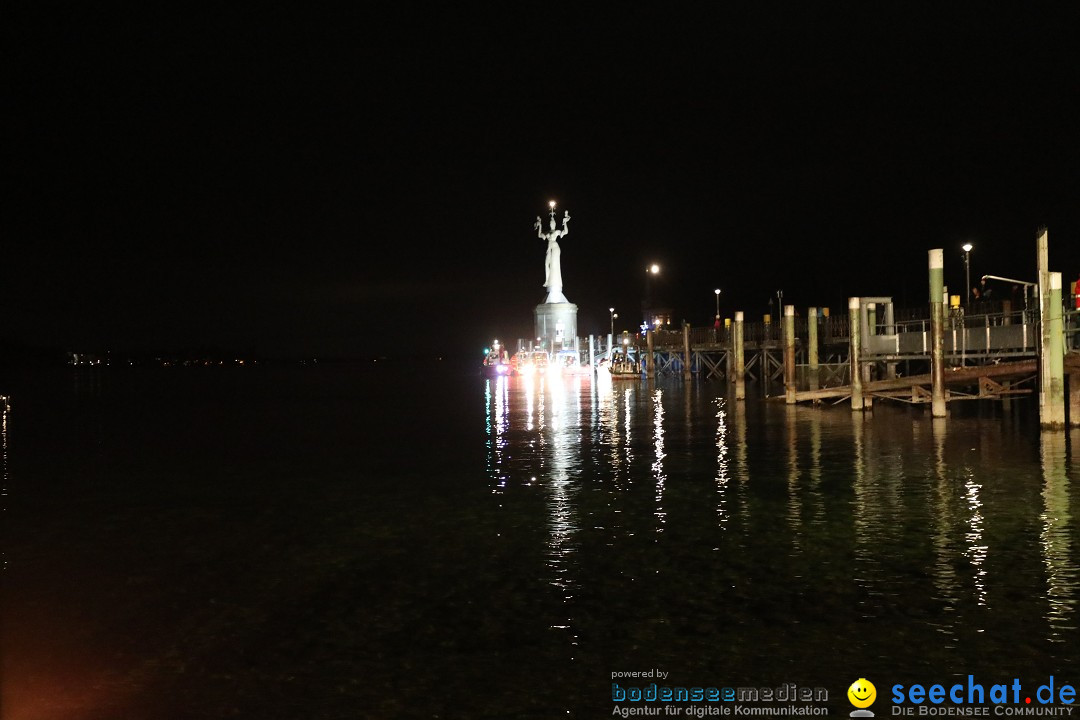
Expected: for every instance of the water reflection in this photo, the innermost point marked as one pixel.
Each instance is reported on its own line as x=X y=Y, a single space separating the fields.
x=659 y=455
x=886 y=518
x=865 y=543
x=722 y=472
x=1055 y=536
x=609 y=436
x=496 y=422
x=975 y=549
x=944 y=571
x=742 y=464
x=817 y=498
x=794 y=503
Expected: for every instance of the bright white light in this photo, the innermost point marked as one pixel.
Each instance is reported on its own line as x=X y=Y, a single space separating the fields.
x=966 y=247
x=626 y=341
x=654 y=268
x=611 y=309
x=717 y=291
x=552 y=204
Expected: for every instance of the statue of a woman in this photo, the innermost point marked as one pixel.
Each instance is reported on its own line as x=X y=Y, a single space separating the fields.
x=552 y=265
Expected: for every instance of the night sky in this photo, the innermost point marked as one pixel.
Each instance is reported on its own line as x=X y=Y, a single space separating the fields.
x=346 y=185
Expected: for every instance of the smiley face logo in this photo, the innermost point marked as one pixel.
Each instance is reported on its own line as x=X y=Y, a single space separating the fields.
x=862 y=693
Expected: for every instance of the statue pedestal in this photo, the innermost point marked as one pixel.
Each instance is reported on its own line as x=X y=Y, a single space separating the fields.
x=556 y=325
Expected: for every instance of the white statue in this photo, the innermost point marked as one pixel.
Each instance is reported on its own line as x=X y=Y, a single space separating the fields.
x=552 y=266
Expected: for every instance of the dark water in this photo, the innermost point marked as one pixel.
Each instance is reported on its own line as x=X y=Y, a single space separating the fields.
x=385 y=542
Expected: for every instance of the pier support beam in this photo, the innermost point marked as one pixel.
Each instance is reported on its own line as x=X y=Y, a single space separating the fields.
x=729 y=356
x=789 y=354
x=937 y=332
x=854 y=352
x=1042 y=253
x=811 y=346
x=1074 y=402
x=890 y=330
x=740 y=359
x=650 y=369
x=686 y=351
x=1054 y=352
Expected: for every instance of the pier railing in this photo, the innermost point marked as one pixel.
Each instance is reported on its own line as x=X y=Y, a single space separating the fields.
x=1003 y=332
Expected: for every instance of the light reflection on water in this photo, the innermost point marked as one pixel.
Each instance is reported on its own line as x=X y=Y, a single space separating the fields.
x=942 y=535
x=490 y=548
x=659 y=455
x=723 y=476
x=1056 y=537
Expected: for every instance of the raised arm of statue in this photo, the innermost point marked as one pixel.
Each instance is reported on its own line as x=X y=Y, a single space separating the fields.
x=565 y=222
x=539 y=226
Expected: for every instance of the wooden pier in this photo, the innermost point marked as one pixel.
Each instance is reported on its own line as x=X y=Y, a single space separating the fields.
x=992 y=381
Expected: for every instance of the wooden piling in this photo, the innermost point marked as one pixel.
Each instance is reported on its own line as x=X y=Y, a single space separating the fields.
x=937 y=332
x=869 y=330
x=650 y=368
x=789 y=354
x=1054 y=351
x=740 y=359
x=686 y=351
x=729 y=356
x=1042 y=252
x=811 y=346
x=1074 y=401
x=890 y=330
x=854 y=350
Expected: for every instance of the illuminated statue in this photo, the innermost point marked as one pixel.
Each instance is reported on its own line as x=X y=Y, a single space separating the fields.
x=552 y=266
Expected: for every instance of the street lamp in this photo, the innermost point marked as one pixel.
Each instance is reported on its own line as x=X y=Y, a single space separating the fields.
x=966 y=247
x=613 y=316
x=717 y=291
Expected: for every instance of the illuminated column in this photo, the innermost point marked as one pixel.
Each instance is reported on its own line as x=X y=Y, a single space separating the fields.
x=1054 y=350
x=890 y=330
x=729 y=356
x=686 y=351
x=789 y=354
x=650 y=367
x=854 y=351
x=740 y=359
x=1042 y=251
x=811 y=343
x=869 y=331
x=937 y=332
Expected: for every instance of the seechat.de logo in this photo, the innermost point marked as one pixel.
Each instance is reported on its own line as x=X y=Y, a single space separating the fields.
x=862 y=694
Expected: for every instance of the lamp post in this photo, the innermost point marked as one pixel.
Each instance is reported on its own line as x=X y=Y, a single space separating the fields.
x=966 y=247
x=614 y=315
x=717 y=292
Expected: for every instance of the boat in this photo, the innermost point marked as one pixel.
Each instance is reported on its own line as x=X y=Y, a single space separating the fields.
x=530 y=362
x=621 y=366
x=568 y=362
x=625 y=368
x=496 y=361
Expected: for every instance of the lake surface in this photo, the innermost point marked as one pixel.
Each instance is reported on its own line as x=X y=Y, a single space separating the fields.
x=379 y=541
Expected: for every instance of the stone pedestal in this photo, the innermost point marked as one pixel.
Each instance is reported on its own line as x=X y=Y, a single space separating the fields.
x=556 y=325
